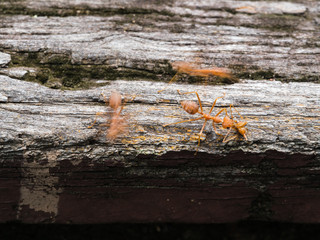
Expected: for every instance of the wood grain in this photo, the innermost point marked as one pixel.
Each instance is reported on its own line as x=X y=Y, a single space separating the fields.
x=57 y=58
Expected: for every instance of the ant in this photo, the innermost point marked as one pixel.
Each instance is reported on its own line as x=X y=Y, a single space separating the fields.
x=231 y=123
x=193 y=108
x=117 y=123
x=188 y=68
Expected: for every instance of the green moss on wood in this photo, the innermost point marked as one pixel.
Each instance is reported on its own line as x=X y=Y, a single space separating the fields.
x=19 y=8
x=57 y=71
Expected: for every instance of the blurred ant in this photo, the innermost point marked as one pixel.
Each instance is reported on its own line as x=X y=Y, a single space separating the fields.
x=117 y=123
x=231 y=123
x=193 y=108
x=188 y=68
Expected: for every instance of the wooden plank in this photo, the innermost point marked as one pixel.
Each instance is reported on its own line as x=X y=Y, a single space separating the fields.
x=56 y=169
x=65 y=165
x=274 y=40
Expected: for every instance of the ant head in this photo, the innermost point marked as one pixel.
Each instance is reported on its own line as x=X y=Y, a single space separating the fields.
x=115 y=100
x=190 y=107
x=242 y=131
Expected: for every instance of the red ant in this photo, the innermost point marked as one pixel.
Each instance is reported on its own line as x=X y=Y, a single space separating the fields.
x=188 y=68
x=193 y=108
x=231 y=123
x=117 y=123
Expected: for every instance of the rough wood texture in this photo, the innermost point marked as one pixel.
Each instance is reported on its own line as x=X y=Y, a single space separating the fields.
x=110 y=39
x=55 y=169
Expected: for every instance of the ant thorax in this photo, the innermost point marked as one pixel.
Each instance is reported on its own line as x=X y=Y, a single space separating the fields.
x=227 y=122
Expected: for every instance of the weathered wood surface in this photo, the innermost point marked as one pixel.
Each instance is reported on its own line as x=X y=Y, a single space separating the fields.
x=55 y=169
x=139 y=39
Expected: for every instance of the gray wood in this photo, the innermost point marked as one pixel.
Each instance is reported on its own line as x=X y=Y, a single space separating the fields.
x=280 y=116
x=49 y=127
x=266 y=40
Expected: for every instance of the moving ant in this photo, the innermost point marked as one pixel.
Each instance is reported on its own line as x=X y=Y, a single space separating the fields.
x=188 y=68
x=117 y=123
x=193 y=108
x=231 y=123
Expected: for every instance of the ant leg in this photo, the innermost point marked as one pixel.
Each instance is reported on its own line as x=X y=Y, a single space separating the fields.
x=199 y=139
x=213 y=123
x=95 y=120
x=227 y=115
x=223 y=109
x=172 y=79
x=215 y=129
x=106 y=100
x=225 y=137
x=226 y=111
x=127 y=99
x=215 y=101
x=189 y=120
x=197 y=97
x=232 y=106
x=204 y=124
x=228 y=140
x=119 y=110
x=245 y=137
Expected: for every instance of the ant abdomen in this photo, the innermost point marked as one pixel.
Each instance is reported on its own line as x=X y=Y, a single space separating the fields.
x=118 y=126
x=190 y=107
